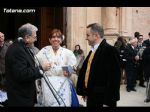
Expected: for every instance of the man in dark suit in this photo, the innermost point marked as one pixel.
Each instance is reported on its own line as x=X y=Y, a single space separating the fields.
x=99 y=77
x=131 y=65
x=21 y=71
x=147 y=42
x=3 y=48
x=140 y=48
x=146 y=66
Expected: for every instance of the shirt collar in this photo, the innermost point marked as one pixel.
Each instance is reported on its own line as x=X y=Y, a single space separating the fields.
x=132 y=46
x=95 y=47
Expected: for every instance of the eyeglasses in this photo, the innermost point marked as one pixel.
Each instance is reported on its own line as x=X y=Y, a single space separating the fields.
x=35 y=37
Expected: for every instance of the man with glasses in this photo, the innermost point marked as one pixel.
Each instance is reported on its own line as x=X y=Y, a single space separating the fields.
x=21 y=69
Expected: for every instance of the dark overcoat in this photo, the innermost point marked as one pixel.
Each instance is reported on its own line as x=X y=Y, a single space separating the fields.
x=147 y=43
x=146 y=62
x=130 y=54
x=104 y=78
x=21 y=74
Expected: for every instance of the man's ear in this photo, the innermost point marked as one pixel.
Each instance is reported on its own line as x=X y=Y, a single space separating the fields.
x=96 y=35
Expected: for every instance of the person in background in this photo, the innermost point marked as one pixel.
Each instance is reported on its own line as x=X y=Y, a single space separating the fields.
x=120 y=45
x=131 y=64
x=147 y=41
x=99 y=78
x=140 y=48
x=78 y=52
x=58 y=78
x=3 y=48
x=136 y=35
x=21 y=69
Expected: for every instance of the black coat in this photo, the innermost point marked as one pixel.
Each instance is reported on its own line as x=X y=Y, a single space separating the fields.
x=146 y=62
x=104 y=78
x=129 y=55
x=147 y=43
x=21 y=74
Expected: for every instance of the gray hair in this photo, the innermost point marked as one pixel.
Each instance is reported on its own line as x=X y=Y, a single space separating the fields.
x=26 y=29
x=96 y=28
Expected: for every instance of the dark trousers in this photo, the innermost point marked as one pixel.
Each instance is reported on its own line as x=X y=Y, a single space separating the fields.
x=2 y=82
x=99 y=102
x=131 y=75
x=148 y=89
x=140 y=74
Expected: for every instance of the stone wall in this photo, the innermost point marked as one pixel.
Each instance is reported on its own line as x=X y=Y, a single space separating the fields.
x=141 y=20
x=116 y=21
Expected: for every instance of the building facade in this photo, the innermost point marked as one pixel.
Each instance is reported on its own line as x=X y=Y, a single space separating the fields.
x=116 y=21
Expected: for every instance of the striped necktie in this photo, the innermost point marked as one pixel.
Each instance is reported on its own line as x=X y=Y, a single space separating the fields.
x=88 y=68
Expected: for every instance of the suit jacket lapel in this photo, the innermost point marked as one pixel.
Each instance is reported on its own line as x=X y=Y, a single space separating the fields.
x=98 y=51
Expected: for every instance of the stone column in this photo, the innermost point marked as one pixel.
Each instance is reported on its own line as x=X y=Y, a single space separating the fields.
x=125 y=27
x=129 y=21
x=109 y=19
x=77 y=20
x=76 y=25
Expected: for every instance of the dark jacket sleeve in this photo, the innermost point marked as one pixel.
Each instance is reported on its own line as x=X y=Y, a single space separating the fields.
x=129 y=55
x=23 y=68
x=146 y=56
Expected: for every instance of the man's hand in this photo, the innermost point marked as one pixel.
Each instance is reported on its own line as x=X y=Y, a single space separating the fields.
x=137 y=57
x=84 y=98
x=46 y=66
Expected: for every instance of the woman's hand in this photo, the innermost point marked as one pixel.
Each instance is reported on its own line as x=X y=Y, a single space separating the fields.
x=46 y=66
